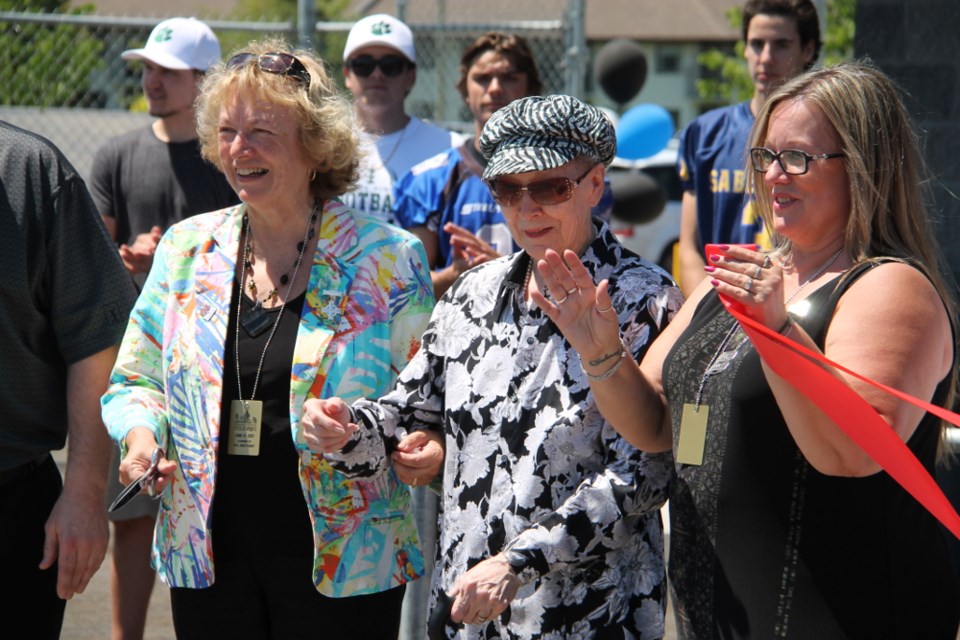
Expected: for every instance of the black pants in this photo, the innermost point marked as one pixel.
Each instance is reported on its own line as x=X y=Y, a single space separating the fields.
x=257 y=598
x=30 y=607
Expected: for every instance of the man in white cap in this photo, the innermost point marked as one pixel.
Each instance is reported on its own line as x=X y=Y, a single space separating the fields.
x=148 y=179
x=379 y=68
x=143 y=182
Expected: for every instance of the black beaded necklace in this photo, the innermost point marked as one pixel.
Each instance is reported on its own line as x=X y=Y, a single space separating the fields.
x=256 y=320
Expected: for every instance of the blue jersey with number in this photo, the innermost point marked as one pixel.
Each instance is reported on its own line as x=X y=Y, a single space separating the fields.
x=712 y=164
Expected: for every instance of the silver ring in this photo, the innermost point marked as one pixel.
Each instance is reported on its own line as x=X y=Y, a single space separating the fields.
x=563 y=299
x=767 y=262
x=604 y=310
x=759 y=272
x=572 y=291
x=481 y=619
x=749 y=284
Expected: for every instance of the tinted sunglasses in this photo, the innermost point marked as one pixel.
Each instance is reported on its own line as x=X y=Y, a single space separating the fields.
x=390 y=65
x=281 y=64
x=543 y=192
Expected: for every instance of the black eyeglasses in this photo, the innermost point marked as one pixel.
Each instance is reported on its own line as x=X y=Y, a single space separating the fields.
x=391 y=65
x=281 y=64
x=543 y=192
x=792 y=161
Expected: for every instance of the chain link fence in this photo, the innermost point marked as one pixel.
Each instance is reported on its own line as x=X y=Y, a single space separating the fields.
x=61 y=74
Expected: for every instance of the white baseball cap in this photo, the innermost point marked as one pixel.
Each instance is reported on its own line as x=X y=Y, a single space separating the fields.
x=382 y=29
x=179 y=43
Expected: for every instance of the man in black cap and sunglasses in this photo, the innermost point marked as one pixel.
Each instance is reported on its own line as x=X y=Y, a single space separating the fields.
x=380 y=69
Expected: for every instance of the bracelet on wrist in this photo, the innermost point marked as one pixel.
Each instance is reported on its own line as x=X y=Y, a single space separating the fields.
x=613 y=368
x=786 y=328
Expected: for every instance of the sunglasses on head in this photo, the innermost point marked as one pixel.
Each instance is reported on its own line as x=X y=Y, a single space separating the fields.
x=281 y=64
x=543 y=192
x=390 y=65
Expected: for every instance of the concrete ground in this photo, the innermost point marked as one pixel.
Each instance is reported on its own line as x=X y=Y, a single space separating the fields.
x=88 y=614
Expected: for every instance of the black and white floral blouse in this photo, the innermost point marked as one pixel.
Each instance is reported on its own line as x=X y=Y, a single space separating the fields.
x=531 y=465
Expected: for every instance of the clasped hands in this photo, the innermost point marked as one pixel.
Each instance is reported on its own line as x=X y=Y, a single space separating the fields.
x=327 y=428
x=138 y=257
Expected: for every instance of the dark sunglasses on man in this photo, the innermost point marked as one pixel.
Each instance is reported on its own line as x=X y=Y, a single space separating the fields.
x=391 y=65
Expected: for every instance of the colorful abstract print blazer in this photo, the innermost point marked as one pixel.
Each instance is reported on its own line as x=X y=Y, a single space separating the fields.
x=368 y=300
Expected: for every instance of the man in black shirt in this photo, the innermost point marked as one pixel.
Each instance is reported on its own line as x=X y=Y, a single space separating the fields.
x=64 y=304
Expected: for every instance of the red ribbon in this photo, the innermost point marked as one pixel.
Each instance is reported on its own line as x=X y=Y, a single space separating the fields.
x=855 y=416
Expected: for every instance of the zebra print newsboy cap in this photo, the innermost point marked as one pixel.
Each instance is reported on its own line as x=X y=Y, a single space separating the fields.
x=545 y=132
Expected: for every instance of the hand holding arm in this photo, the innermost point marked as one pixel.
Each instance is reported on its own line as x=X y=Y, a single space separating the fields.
x=326 y=424
x=418 y=457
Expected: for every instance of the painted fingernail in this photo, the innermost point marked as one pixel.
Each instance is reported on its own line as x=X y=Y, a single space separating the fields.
x=709 y=269
x=715 y=282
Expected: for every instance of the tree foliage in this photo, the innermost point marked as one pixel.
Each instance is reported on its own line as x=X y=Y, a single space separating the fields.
x=47 y=65
x=727 y=78
x=328 y=46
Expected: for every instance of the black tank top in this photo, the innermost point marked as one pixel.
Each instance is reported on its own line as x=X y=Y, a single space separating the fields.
x=764 y=546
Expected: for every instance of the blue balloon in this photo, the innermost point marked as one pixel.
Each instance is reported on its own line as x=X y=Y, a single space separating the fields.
x=643 y=130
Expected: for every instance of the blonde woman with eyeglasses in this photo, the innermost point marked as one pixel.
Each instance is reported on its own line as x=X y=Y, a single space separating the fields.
x=782 y=526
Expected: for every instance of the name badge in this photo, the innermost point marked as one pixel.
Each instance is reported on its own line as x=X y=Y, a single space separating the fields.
x=245 y=421
x=693 y=434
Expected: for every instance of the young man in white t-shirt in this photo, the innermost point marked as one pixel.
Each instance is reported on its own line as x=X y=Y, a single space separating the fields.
x=380 y=71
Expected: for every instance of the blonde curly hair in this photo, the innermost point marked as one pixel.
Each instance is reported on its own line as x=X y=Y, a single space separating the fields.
x=329 y=133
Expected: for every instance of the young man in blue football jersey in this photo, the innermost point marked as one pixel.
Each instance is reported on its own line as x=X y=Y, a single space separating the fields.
x=782 y=39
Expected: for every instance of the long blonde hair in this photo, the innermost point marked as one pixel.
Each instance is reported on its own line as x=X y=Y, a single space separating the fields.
x=890 y=196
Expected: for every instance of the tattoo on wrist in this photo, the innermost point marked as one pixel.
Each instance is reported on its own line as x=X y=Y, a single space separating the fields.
x=607 y=356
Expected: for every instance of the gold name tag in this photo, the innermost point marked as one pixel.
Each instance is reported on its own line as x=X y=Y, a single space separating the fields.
x=245 y=420
x=693 y=434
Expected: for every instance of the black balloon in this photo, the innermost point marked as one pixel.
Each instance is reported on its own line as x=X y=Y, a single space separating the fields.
x=620 y=68
x=637 y=197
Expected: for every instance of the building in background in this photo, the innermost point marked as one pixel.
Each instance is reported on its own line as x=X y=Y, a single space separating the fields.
x=672 y=35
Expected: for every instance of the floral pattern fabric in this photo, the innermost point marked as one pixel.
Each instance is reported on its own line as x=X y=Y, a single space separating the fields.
x=531 y=465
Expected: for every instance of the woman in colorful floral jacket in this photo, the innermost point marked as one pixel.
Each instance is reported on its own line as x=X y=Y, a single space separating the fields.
x=218 y=379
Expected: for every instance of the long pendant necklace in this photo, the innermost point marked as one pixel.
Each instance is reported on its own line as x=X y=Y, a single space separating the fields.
x=256 y=320
x=693 y=419
x=246 y=416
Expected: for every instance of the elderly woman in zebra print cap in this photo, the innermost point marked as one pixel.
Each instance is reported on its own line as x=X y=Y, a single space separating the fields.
x=550 y=525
